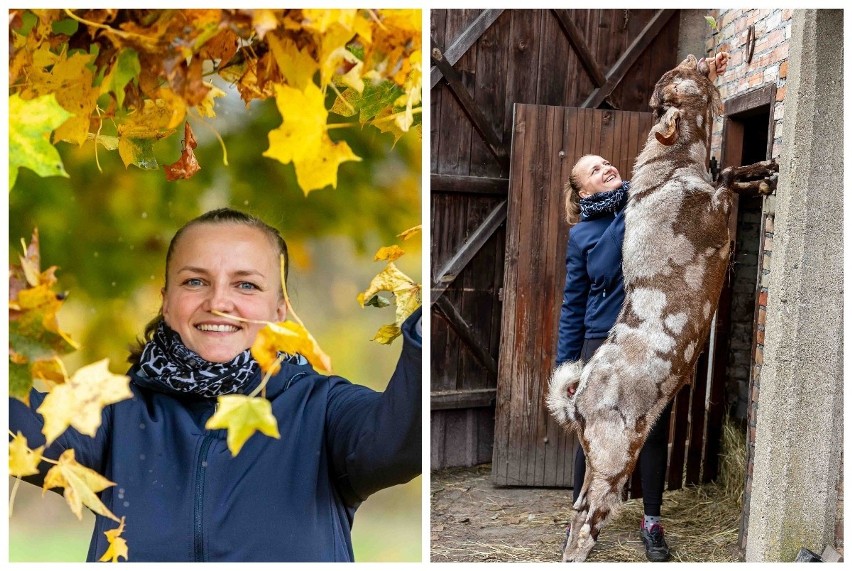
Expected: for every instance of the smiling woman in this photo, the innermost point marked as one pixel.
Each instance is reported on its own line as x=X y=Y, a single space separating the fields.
x=183 y=494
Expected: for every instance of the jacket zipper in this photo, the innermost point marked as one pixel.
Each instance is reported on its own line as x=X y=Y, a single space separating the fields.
x=200 y=469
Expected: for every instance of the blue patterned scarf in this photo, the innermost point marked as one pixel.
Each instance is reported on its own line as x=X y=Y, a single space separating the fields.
x=174 y=368
x=607 y=202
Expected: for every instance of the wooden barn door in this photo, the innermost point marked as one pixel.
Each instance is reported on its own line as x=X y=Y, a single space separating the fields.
x=530 y=449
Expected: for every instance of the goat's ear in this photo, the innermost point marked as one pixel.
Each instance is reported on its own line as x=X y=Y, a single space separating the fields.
x=666 y=130
x=703 y=67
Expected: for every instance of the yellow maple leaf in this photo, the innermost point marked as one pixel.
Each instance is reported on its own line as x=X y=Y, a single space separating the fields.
x=117 y=545
x=320 y=170
x=301 y=133
x=79 y=401
x=297 y=66
x=406 y=292
x=288 y=337
x=81 y=485
x=22 y=460
x=243 y=415
x=70 y=79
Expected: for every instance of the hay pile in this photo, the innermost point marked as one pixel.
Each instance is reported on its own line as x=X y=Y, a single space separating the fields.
x=474 y=521
x=702 y=522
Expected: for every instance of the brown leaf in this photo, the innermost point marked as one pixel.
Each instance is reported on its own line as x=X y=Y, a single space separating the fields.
x=187 y=165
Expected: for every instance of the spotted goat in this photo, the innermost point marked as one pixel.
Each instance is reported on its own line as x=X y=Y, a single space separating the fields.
x=675 y=256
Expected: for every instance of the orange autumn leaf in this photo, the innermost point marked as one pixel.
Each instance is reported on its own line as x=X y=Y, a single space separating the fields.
x=187 y=165
x=81 y=485
x=288 y=337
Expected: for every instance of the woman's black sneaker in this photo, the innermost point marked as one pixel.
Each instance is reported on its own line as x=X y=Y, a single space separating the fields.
x=656 y=548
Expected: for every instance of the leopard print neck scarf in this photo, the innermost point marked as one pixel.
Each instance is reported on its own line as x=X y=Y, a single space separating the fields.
x=607 y=202
x=178 y=369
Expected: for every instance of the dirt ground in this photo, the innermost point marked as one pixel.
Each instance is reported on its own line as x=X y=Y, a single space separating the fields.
x=474 y=521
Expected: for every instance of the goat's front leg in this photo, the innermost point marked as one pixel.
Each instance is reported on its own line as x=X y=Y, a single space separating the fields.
x=760 y=178
x=604 y=496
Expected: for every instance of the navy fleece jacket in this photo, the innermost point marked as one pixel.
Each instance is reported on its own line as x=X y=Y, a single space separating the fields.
x=289 y=499
x=594 y=284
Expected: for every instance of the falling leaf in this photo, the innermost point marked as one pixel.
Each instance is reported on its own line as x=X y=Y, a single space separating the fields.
x=30 y=125
x=243 y=416
x=711 y=21
x=79 y=401
x=187 y=165
x=406 y=234
x=22 y=460
x=389 y=253
x=387 y=333
x=291 y=338
x=81 y=485
x=406 y=292
x=117 y=545
x=377 y=301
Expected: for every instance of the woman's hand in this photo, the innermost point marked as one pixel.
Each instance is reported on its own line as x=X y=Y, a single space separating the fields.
x=717 y=65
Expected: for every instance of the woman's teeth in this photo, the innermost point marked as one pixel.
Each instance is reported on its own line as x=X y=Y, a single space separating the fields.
x=223 y=328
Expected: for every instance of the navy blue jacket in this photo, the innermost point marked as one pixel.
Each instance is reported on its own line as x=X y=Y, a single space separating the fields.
x=292 y=499
x=594 y=284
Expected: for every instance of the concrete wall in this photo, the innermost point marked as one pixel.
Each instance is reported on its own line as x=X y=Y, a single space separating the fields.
x=799 y=436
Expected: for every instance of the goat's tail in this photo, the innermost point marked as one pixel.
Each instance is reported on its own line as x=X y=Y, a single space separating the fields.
x=562 y=391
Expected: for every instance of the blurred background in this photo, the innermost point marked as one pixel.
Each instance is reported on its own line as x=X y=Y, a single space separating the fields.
x=108 y=233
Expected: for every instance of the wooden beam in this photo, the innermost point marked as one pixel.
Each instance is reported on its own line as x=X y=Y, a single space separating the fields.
x=447 y=274
x=631 y=54
x=463 y=42
x=466 y=398
x=469 y=184
x=575 y=37
x=466 y=333
x=584 y=53
x=479 y=121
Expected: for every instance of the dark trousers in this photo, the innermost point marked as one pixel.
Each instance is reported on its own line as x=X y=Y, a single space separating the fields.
x=652 y=458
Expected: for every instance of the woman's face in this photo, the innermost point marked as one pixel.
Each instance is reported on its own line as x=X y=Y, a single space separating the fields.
x=595 y=175
x=230 y=268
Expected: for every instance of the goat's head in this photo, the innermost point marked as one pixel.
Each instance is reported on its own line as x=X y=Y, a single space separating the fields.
x=685 y=92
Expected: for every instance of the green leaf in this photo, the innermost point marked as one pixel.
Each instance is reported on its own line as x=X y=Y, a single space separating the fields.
x=65 y=26
x=369 y=103
x=20 y=381
x=377 y=301
x=711 y=21
x=125 y=69
x=30 y=125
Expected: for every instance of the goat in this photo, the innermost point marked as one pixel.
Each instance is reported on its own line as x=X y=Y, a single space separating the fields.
x=675 y=256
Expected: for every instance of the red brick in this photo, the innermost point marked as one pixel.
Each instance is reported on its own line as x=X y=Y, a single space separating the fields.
x=761 y=315
x=760 y=336
x=769 y=223
x=761 y=300
x=758 y=355
x=782 y=69
x=780 y=93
